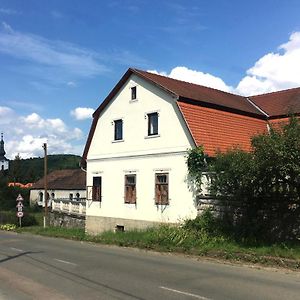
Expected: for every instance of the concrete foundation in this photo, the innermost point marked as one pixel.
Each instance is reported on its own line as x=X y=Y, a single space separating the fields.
x=96 y=225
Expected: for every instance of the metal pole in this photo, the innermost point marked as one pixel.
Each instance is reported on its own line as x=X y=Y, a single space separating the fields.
x=45 y=184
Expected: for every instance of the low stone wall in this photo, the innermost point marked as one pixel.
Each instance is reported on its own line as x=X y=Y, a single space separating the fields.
x=68 y=221
x=218 y=207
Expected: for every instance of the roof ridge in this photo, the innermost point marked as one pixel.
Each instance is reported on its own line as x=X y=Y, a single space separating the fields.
x=275 y=92
x=191 y=83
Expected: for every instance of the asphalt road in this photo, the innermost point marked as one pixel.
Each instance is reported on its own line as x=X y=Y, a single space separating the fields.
x=33 y=267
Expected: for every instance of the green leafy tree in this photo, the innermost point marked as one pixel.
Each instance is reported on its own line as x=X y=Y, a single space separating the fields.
x=265 y=183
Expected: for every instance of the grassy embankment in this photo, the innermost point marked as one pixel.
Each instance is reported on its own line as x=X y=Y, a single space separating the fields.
x=201 y=239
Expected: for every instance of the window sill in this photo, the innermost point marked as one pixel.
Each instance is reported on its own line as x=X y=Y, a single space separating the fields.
x=117 y=141
x=152 y=136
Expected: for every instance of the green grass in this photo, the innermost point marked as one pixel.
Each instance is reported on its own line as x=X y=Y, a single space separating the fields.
x=202 y=236
x=180 y=240
x=68 y=233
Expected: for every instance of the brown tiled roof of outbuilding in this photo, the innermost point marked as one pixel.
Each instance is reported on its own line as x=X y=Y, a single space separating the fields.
x=279 y=103
x=71 y=179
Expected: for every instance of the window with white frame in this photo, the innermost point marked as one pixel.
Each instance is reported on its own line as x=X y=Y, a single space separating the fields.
x=152 y=123
x=118 y=130
x=133 y=93
x=130 y=189
x=97 y=188
x=161 y=188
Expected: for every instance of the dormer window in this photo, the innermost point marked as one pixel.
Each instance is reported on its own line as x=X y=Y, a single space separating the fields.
x=153 y=124
x=118 y=130
x=133 y=93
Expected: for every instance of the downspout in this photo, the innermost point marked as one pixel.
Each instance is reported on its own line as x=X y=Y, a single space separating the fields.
x=262 y=111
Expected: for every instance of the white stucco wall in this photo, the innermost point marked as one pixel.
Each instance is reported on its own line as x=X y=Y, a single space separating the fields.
x=141 y=155
x=58 y=194
x=4 y=164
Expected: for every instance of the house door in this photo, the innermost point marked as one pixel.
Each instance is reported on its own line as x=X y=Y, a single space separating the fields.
x=97 y=188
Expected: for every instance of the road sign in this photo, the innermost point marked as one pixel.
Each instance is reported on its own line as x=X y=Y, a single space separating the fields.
x=20 y=214
x=20 y=198
x=20 y=204
x=20 y=209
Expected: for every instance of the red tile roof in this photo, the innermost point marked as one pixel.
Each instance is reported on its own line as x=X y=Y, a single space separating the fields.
x=201 y=94
x=216 y=119
x=279 y=103
x=220 y=130
x=73 y=179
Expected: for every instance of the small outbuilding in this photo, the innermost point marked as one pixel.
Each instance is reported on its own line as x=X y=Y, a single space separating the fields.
x=61 y=184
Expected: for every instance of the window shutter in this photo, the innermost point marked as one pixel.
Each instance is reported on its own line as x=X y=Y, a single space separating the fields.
x=162 y=189
x=130 y=189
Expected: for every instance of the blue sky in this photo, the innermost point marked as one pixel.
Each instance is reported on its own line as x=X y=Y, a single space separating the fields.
x=59 y=59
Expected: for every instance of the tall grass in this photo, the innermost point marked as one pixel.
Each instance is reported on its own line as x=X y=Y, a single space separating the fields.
x=201 y=236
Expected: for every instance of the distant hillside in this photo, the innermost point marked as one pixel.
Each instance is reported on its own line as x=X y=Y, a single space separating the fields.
x=32 y=169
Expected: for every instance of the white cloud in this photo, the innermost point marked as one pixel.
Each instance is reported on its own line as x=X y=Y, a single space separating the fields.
x=274 y=71
x=71 y=84
x=61 y=55
x=8 y=11
x=26 y=134
x=197 y=77
x=6 y=115
x=82 y=113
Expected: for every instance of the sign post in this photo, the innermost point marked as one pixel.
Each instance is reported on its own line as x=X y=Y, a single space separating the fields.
x=20 y=206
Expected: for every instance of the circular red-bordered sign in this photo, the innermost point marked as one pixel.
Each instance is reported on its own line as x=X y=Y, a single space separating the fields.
x=20 y=214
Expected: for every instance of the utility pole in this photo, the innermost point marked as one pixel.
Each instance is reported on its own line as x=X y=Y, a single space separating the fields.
x=45 y=185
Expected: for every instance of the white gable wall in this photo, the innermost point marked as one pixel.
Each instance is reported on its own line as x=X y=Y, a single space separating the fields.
x=141 y=155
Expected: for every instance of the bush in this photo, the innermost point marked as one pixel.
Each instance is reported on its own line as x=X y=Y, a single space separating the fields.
x=265 y=185
x=9 y=217
x=205 y=222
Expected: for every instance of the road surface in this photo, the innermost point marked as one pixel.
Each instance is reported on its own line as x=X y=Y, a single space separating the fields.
x=33 y=267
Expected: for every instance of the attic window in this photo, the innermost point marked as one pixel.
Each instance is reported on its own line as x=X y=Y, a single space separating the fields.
x=153 y=124
x=133 y=93
x=118 y=130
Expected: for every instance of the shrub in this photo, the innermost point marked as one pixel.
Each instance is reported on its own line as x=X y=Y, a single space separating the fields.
x=8 y=227
x=265 y=184
x=9 y=217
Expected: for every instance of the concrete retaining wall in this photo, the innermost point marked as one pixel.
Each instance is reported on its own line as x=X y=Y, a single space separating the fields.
x=96 y=225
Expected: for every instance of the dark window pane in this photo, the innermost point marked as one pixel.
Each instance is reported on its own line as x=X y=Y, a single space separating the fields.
x=133 y=93
x=96 y=191
x=153 y=124
x=118 y=130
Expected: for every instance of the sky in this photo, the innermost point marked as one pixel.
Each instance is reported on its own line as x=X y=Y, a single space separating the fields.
x=60 y=59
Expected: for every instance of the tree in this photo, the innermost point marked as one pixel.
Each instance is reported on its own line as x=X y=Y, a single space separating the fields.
x=16 y=169
x=265 y=183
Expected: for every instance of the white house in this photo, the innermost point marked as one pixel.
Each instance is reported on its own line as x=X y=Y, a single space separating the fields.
x=136 y=150
x=68 y=185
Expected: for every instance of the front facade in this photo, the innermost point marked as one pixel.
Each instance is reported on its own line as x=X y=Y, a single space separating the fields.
x=137 y=158
x=136 y=150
